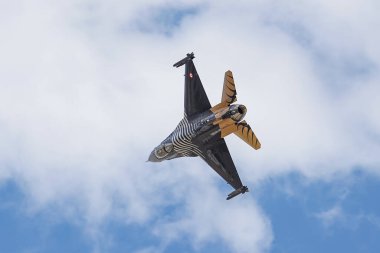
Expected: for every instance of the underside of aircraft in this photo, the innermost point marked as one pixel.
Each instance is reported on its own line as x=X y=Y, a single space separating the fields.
x=202 y=130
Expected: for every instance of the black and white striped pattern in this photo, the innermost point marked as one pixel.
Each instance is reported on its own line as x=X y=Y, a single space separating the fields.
x=182 y=137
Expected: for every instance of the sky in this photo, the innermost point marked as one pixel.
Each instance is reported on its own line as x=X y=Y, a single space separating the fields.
x=87 y=90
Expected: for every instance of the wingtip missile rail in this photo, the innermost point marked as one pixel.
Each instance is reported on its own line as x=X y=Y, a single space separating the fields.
x=241 y=190
x=184 y=60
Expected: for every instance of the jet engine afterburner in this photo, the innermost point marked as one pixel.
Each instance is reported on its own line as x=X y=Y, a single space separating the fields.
x=237 y=112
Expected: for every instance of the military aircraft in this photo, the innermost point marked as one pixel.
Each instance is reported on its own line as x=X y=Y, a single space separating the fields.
x=202 y=130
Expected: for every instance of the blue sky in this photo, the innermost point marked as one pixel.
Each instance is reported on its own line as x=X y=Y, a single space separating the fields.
x=296 y=221
x=82 y=84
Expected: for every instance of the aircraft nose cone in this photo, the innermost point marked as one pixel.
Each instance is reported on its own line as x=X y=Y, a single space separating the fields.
x=152 y=157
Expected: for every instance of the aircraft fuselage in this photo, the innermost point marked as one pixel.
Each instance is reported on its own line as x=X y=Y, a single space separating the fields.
x=201 y=129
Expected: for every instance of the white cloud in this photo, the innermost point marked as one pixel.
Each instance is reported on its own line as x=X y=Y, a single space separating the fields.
x=240 y=224
x=329 y=217
x=81 y=88
x=337 y=216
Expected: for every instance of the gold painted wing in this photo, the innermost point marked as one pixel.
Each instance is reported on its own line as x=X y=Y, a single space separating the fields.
x=229 y=90
x=246 y=134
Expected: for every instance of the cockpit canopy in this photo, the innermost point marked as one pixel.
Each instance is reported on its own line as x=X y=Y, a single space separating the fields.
x=163 y=150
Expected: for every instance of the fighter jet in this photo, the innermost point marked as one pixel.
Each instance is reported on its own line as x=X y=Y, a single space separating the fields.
x=202 y=130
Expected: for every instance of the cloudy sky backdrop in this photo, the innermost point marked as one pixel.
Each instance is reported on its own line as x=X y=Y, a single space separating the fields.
x=87 y=89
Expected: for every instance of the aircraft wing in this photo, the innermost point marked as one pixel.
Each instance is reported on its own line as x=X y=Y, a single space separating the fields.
x=219 y=158
x=196 y=100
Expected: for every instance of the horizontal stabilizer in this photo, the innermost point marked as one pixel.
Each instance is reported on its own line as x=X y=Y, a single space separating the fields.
x=242 y=190
x=246 y=134
x=229 y=90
